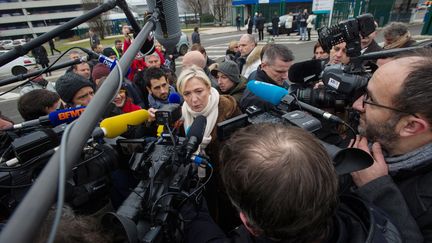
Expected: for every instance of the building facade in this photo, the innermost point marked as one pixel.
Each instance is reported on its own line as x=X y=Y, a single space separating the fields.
x=31 y=18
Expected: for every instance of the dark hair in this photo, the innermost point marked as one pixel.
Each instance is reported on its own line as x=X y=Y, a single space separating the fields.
x=117 y=41
x=416 y=92
x=282 y=179
x=198 y=47
x=33 y=104
x=196 y=28
x=316 y=46
x=75 y=66
x=277 y=51
x=153 y=73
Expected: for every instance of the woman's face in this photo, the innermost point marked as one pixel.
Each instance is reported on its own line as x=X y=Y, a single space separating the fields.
x=196 y=94
x=120 y=99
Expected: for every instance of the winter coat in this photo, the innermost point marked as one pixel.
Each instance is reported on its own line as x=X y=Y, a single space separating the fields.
x=253 y=60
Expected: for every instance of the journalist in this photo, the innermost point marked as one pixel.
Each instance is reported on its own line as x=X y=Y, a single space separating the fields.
x=396 y=118
x=285 y=191
x=276 y=61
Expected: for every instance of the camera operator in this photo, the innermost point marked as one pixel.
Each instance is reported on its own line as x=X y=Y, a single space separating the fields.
x=286 y=192
x=395 y=116
x=276 y=61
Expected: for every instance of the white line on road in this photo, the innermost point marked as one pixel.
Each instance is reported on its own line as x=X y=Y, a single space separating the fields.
x=226 y=37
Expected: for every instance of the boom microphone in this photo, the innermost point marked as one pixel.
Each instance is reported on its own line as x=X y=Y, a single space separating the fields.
x=115 y=126
x=54 y=118
x=195 y=135
x=168 y=28
x=274 y=95
x=307 y=71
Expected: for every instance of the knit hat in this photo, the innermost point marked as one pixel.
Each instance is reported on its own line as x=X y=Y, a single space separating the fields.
x=69 y=84
x=99 y=71
x=229 y=69
x=108 y=52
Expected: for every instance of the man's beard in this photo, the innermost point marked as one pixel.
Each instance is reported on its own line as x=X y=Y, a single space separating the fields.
x=384 y=132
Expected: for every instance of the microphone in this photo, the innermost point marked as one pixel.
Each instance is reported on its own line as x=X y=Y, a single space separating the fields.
x=195 y=135
x=275 y=95
x=115 y=126
x=110 y=63
x=174 y=98
x=307 y=71
x=168 y=28
x=54 y=118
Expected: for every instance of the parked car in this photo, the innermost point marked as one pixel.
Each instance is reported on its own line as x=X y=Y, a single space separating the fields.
x=18 y=42
x=23 y=61
x=7 y=44
x=282 y=29
x=183 y=44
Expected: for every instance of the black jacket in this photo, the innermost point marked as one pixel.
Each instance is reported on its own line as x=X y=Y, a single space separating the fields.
x=415 y=186
x=373 y=47
x=250 y=99
x=355 y=221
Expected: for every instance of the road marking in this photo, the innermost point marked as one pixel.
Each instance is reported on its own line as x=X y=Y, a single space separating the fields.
x=226 y=37
x=9 y=97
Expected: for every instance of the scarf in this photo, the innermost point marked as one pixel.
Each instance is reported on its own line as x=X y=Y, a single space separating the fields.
x=211 y=112
x=399 y=42
x=410 y=160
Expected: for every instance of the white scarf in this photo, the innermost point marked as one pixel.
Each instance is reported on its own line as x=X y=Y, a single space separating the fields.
x=211 y=112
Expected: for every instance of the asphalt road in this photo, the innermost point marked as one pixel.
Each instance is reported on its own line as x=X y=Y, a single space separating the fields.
x=215 y=45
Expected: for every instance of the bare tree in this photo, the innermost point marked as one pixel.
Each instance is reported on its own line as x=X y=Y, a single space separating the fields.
x=220 y=9
x=97 y=23
x=196 y=6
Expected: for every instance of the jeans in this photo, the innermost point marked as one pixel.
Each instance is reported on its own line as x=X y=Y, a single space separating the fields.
x=302 y=33
x=275 y=31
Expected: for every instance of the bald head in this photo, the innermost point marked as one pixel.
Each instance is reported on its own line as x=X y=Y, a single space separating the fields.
x=194 y=58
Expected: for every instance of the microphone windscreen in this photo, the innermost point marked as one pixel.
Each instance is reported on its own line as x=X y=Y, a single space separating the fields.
x=168 y=30
x=117 y=125
x=268 y=92
x=174 y=98
x=301 y=70
x=197 y=128
x=65 y=116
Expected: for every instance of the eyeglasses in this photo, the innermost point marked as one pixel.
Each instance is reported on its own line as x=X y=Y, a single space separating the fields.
x=367 y=100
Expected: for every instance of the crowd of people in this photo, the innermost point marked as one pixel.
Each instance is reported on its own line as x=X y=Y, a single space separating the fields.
x=276 y=181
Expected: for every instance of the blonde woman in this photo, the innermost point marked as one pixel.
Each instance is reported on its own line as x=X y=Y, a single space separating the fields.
x=202 y=99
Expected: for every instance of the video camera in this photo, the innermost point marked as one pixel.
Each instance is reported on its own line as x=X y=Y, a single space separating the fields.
x=27 y=154
x=342 y=83
x=167 y=177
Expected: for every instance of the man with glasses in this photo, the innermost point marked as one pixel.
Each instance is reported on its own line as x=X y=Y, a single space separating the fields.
x=74 y=89
x=276 y=61
x=396 y=120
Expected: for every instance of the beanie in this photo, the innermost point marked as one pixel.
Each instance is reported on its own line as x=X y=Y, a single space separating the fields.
x=108 y=52
x=99 y=71
x=69 y=84
x=229 y=69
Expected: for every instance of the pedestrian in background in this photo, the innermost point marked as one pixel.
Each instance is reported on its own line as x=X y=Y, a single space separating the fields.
x=94 y=39
x=196 y=36
x=310 y=24
x=275 y=24
x=302 y=17
x=260 y=26
x=238 y=22
x=41 y=56
x=249 y=23
x=52 y=47
x=289 y=23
